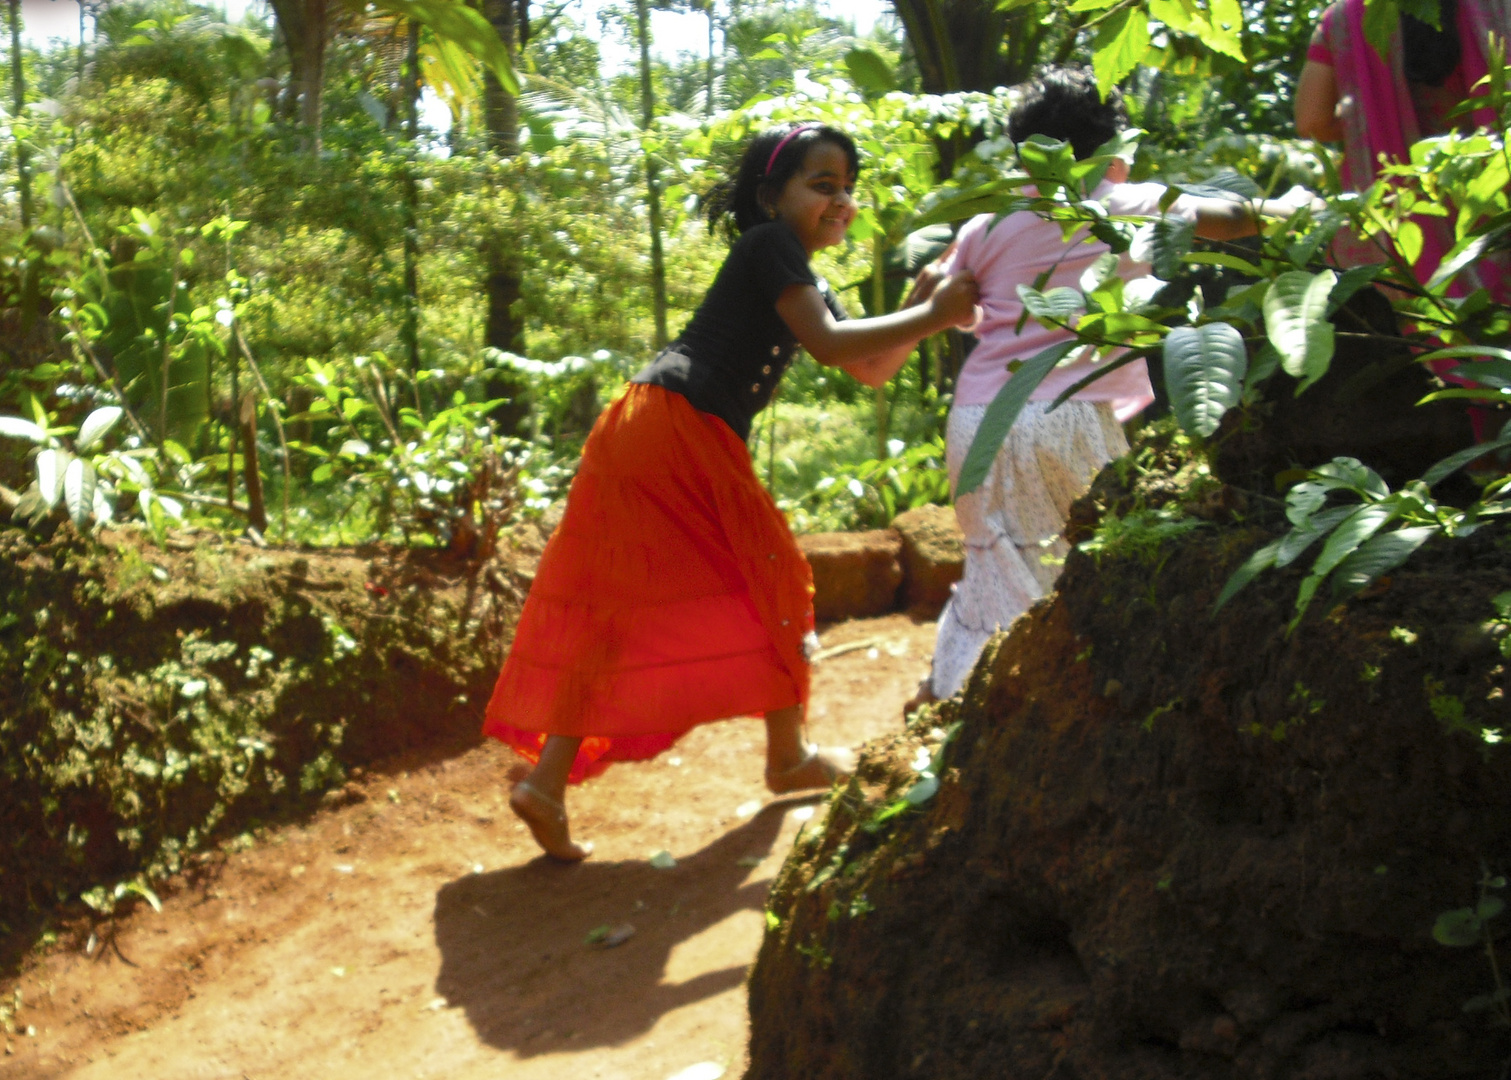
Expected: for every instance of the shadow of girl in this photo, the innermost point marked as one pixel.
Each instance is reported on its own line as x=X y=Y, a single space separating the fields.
x=514 y=953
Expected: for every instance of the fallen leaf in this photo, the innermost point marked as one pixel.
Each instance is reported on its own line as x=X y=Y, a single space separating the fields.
x=752 y=860
x=746 y=809
x=803 y=813
x=662 y=860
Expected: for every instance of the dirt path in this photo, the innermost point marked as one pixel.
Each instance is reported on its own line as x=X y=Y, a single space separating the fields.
x=416 y=933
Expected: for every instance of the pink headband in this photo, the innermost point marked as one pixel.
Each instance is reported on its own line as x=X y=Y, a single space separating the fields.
x=794 y=133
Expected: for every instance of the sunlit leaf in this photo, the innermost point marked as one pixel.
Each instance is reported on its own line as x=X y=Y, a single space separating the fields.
x=1056 y=305
x=79 y=481
x=13 y=427
x=51 y=465
x=1204 y=371
x=1379 y=555
x=97 y=425
x=1295 y=309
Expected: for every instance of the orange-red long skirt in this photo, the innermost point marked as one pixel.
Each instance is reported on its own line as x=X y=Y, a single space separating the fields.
x=672 y=593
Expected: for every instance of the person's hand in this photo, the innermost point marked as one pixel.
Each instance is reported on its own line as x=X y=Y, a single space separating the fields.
x=1299 y=197
x=955 y=298
x=929 y=277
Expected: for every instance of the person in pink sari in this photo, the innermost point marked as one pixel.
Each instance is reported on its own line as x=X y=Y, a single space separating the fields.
x=1378 y=106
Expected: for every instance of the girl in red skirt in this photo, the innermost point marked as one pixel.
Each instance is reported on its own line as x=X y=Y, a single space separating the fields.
x=672 y=592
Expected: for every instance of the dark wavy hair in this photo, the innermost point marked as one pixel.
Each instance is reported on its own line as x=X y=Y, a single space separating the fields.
x=735 y=204
x=1064 y=103
x=1430 y=55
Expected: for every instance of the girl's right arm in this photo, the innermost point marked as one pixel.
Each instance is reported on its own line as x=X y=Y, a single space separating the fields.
x=874 y=349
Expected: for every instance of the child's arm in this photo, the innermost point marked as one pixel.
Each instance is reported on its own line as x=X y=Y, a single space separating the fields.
x=1225 y=219
x=874 y=349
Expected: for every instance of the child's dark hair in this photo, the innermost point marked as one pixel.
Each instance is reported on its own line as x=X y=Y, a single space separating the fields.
x=1064 y=103
x=769 y=161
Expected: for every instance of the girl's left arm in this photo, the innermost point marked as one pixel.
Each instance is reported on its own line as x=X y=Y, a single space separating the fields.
x=873 y=350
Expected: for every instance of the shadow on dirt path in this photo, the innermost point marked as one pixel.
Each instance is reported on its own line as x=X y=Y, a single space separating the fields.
x=512 y=956
x=417 y=933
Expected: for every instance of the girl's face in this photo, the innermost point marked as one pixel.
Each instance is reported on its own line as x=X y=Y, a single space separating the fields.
x=818 y=201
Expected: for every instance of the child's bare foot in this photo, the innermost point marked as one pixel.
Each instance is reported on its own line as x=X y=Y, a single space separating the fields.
x=820 y=769
x=547 y=819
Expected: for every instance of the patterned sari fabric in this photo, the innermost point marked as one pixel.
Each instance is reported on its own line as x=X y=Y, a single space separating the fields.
x=672 y=593
x=1382 y=115
x=1013 y=523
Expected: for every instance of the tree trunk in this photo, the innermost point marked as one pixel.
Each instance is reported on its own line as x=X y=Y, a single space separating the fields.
x=972 y=45
x=504 y=284
x=257 y=514
x=652 y=174
x=18 y=104
x=305 y=25
x=410 y=332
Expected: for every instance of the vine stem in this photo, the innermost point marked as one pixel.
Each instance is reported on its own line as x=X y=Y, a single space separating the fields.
x=283 y=445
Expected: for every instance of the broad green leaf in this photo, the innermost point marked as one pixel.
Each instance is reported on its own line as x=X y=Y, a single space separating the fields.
x=1462 y=255
x=13 y=427
x=1409 y=241
x=1057 y=305
x=79 y=481
x=1294 y=316
x=1457 y=929
x=1352 y=473
x=1454 y=462
x=1470 y=351
x=1252 y=567
x=1265 y=363
x=1001 y=413
x=1219 y=258
x=1350 y=282
x=1120 y=45
x=456 y=22
x=1381 y=17
x=1176 y=14
x=1224 y=30
x=97 y=425
x=1354 y=530
x=51 y=464
x=1490 y=372
x=922 y=791
x=1170 y=240
x=1379 y=555
x=869 y=71
x=1204 y=370
x=1295 y=543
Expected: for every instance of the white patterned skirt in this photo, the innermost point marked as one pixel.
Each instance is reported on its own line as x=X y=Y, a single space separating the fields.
x=1013 y=523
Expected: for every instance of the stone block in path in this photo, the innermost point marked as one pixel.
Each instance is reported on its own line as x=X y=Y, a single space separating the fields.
x=933 y=558
x=854 y=574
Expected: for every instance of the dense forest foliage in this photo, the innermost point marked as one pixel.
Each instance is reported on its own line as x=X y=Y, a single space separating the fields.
x=222 y=239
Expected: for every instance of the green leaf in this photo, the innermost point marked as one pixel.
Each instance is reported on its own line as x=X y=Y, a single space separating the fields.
x=13 y=427
x=1350 y=282
x=1001 y=413
x=456 y=22
x=1354 y=530
x=1222 y=34
x=869 y=71
x=1295 y=309
x=1219 y=258
x=1204 y=370
x=51 y=464
x=1489 y=907
x=1307 y=532
x=1057 y=305
x=1170 y=240
x=1121 y=44
x=1462 y=255
x=921 y=792
x=1454 y=462
x=1379 y=555
x=97 y=425
x=1457 y=929
x=79 y=481
x=1252 y=567
x=1381 y=18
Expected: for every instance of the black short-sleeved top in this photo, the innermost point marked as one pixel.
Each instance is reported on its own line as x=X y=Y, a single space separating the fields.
x=731 y=356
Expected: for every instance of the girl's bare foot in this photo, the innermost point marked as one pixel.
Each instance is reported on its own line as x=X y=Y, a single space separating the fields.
x=547 y=819
x=820 y=769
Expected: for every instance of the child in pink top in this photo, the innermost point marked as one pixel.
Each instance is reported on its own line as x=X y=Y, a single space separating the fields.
x=1013 y=522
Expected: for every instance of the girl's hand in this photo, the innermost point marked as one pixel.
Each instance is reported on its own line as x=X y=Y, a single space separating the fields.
x=929 y=277
x=955 y=299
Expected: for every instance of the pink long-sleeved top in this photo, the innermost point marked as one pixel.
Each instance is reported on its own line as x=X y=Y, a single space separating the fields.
x=1016 y=252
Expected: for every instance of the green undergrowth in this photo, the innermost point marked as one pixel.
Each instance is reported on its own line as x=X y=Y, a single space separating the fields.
x=155 y=703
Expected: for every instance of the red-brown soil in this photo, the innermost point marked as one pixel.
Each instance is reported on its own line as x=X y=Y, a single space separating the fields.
x=415 y=932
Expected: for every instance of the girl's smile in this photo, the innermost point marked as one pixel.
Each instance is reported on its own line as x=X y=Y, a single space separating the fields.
x=818 y=202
